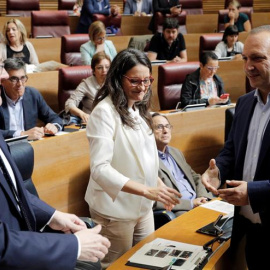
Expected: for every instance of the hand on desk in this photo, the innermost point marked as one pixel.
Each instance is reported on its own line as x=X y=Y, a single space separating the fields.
x=199 y=201
x=35 y=133
x=51 y=129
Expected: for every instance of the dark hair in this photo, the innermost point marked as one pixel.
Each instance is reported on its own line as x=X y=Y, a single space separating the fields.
x=170 y=23
x=121 y=64
x=158 y=114
x=99 y=57
x=230 y=30
x=205 y=57
x=14 y=64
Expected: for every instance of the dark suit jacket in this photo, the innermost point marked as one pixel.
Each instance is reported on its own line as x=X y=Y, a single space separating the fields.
x=162 y=6
x=91 y=7
x=34 y=108
x=169 y=180
x=131 y=6
x=231 y=161
x=24 y=250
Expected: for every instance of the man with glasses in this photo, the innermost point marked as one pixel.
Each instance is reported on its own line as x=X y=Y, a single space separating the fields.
x=203 y=85
x=174 y=170
x=22 y=106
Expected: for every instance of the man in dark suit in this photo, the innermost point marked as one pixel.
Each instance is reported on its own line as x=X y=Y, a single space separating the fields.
x=175 y=172
x=171 y=7
x=91 y=7
x=22 y=218
x=243 y=164
x=22 y=106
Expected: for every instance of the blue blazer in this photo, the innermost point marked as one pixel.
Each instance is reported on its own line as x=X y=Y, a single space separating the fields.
x=21 y=249
x=91 y=7
x=34 y=108
x=131 y=6
x=231 y=159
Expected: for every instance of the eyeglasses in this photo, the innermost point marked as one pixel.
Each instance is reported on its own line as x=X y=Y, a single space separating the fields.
x=102 y=67
x=15 y=80
x=212 y=68
x=137 y=81
x=100 y=38
x=161 y=127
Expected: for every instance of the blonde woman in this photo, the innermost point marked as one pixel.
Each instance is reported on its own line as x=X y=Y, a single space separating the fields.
x=97 y=43
x=15 y=43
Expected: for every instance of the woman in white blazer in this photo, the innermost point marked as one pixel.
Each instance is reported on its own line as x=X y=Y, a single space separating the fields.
x=124 y=161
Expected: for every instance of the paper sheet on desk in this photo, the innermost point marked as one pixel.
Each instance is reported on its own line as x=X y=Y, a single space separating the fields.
x=219 y=206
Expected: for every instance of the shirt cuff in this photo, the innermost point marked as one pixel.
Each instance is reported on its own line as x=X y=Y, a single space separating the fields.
x=17 y=133
x=79 y=247
x=42 y=229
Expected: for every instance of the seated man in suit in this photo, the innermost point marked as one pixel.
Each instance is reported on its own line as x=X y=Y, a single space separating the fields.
x=91 y=7
x=22 y=106
x=22 y=218
x=138 y=7
x=168 y=45
x=174 y=170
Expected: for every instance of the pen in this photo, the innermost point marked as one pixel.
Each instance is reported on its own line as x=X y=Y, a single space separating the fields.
x=170 y=264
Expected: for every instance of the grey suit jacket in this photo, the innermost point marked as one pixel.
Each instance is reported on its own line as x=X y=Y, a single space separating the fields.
x=193 y=178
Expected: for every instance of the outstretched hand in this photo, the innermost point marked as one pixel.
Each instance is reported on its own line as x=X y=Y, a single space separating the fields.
x=210 y=178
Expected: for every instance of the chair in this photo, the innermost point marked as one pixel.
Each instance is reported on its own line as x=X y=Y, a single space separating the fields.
x=70 y=48
x=22 y=153
x=22 y=8
x=244 y=3
x=140 y=42
x=66 y=4
x=171 y=77
x=109 y=21
x=208 y=42
x=161 y=217
x=192 y=6
x=223 y=12
x=50 y=23
x=159 y=19
x=69 y=79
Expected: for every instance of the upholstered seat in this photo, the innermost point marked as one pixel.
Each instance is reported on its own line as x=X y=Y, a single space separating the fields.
x=192 y=6
x=22 y=7
x=70 y=48
x=171 y=77
x=208 y=42
x=66 y=4
x=159 y=19
x=69 y=79
x=109 y=21
x=52 y=23
x=223 y=12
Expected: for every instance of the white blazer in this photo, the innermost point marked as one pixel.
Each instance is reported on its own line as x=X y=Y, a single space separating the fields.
x=117 y=154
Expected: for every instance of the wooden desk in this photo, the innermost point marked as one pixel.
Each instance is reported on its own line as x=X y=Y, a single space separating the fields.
x=134 y=25
x=47 y=84
x=201 y=23
x=182 y=229
x=61 y=171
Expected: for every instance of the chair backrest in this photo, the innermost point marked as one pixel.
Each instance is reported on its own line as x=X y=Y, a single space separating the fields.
x=223 y=12
x=69 y=79
x=159 y=19
x=171 y=77
x=66 y=4
x=192 y=6
x=52 y=23
x=22 y=7
x=70 y=49
x=140 y=42
x=108 y=20
x=208 y=42
x=244 y=3
x=23 y=155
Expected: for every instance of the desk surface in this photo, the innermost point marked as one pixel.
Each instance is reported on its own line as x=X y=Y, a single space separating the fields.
x=182 y=229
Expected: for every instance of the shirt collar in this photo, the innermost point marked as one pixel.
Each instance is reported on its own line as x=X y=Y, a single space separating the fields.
x=259 y=99
x=10 y=101
x=164 y=155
